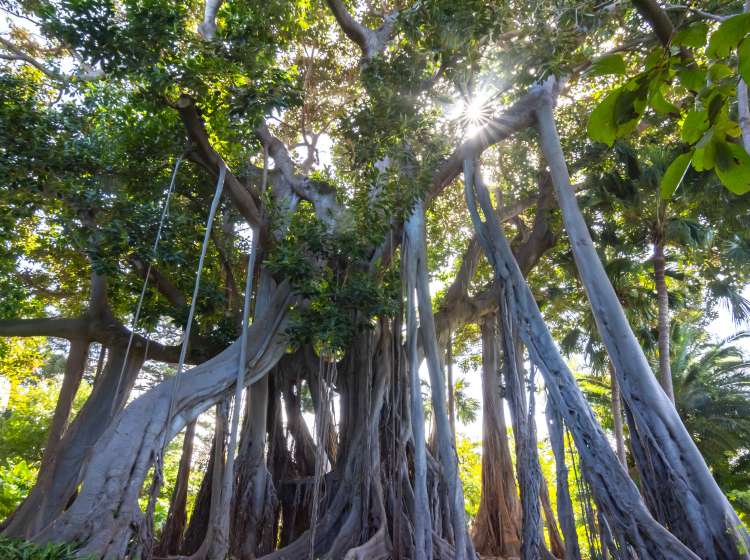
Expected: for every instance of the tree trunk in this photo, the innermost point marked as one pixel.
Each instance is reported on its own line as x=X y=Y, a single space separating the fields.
x=56 y=485
x=616 y=494
x=496 y=530
x=524 y=433
x=421 y=514
x=564 y=503
x=448 y=458
x=617 y=419
x=451 y=385
x=196 y=530
x=662 y=298
x=105 y=511
x=696 y=510
x=249 y=522
x=174 y=527
x=556 y=545
x=74 y=368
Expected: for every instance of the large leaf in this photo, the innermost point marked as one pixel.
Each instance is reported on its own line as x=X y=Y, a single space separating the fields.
x=733 y=167
x=695 y=124
x=673 y=175
x=601 y=127
x=610 y=64
x=744 y=60
x=728 y=35
x=693 y=36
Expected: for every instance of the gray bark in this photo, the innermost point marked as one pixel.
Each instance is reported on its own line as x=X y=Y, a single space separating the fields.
x=564 y=503
x=54 y=488
x=448 y=459
x=617 y=419
x=616 y=494
x=695 y=508
x=170 y=541
x=103 y=515
x=524 y=433
x=421 y=516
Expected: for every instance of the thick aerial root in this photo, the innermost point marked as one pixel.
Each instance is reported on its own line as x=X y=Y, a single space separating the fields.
x=106 y=511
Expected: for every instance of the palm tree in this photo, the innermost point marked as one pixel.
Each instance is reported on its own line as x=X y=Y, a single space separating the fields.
x=712 y=394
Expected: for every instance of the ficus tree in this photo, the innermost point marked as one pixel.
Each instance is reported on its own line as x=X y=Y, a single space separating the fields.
x=265 y=191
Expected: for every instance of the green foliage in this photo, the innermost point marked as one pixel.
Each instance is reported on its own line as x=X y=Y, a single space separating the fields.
x=329 y=269
x=701 y=81
x=470 y=472
x=18 y=478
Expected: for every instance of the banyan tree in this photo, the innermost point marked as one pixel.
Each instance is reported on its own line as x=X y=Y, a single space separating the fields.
x=259 y=194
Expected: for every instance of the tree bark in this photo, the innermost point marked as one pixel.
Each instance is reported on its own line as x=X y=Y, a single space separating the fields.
x=617 y=419
x=662 y=298
x=696 y=509
x=451 y=386
x=75 y=365
x=174 y=527
x=524 y=433
x=496 y=530
x=448 y=458
x=103 y=515
x=616 y=494
x=564 y=503
x=56 y=485
x=421 y=514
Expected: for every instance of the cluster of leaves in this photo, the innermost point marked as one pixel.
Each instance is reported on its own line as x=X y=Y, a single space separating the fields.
x=693 y=81
x=329 y=269
x=14 y=549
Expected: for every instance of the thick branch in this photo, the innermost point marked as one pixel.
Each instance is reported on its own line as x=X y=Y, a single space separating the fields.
x=161 y=282
x=518 y=117
x=18 y=54
x=59 y=327
x=207 y=29
x=204 y=154
x=371 y=42
x=657 y=18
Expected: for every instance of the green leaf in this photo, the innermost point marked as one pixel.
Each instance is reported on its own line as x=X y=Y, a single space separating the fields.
x=733 y=167
x=694 y=125
x=744 y=60
x=660 y=104
x=719 y=71
x=673 y=175
x=692 y=36
x=728 y=35
x=691 y=79
x=705 y=152
x=601 y=126
x=610 y=64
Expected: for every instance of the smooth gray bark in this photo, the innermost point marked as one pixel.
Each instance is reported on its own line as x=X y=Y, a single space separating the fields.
x=615 y=493
x=415 y=235
x=421 y=515
x=564 y=503
x=103 y=515
x=695 y=508
x=53 y=490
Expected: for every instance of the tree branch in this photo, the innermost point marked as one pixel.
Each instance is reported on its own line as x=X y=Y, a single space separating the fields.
x=205 y=155
x=161 y=282
x=58 y=327
x=207 y=29
x=657 y=18
x=518 y=117
x=371 y=42
x=18 y=54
